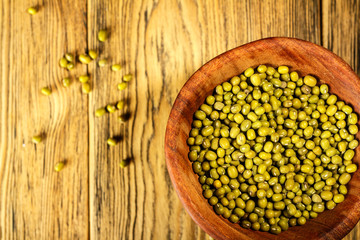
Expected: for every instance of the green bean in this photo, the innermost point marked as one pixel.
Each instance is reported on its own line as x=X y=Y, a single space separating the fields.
x=310 y=80
x=116 y=67
x=331 y=100
x=210 y=155
x=318 y=207
x=248 y=72
x=344 y=178
x=347 y=109
x=352 y=118
x=69 y=57
x=46 y=91
x=59 y=166
x=338 y=198
x=84 y=78
x=122 y=86
x=102 y=62
x=63 y=62
x=326 y=195
x=102 y=35
x=249 y=206
x=127 y=77
x=349 y=154
x=255 y=79
x=66 y=82
x=111 y=141
x=110 y=108
x=70 y=66
x=93 y=54
x=32 y=10
x=84 y=58
x=100 y=112
x=283 y=69
x=120 y=105
x=36 y=139
x=353 y=144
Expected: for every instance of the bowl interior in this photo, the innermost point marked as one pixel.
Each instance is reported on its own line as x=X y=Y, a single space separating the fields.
x=301 y=56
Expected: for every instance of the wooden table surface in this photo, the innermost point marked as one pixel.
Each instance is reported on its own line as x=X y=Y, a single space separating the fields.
x=161 y=43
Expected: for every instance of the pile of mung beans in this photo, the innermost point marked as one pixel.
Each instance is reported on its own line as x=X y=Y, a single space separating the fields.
x=273 y=149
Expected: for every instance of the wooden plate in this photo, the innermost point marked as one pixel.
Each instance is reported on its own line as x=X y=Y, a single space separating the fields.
x=301 y=56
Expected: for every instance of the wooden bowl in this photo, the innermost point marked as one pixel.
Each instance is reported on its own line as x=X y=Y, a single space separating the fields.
x=301 y=56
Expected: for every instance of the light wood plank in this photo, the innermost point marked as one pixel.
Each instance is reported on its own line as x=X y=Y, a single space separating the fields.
x=35 y=201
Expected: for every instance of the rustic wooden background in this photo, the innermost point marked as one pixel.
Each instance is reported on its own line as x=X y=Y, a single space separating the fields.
x=161 y=43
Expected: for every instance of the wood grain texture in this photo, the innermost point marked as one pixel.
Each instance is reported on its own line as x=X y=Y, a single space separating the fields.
x=162 y=43
x=36 y=202
x=161 y=69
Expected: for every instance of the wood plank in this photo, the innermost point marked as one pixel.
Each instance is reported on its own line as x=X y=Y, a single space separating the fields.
x=162 y=43
x=285 y=18
x=341 y=28
x=35 y=201
x=340 y=34
x=139 y=202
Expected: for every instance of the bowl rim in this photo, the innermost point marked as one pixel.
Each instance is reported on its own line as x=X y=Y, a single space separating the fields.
x=169 y=144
